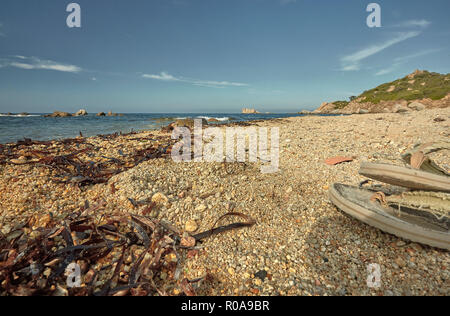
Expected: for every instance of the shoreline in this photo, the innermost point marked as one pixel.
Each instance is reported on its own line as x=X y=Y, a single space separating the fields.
x=300 y=245
x=16 y=128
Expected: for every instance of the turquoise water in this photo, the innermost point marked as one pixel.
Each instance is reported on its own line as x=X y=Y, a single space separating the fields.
x=38 y=127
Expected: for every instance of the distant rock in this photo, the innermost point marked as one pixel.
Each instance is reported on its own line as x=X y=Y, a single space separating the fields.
x=398 y=108
x=213 y=120
x=415 y=73
x=249 y=111
x=305 y=112
x=111 y=114
x=363 y=111
x=391 y=88
x=81 y=112
x=59 y=114
x=325 y=107
x=416 y=106
x=188 y=123
x=101 y=114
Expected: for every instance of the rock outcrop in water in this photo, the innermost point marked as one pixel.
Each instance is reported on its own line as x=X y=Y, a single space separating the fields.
x=58 y=114
x=81 y=112
x=249 y=111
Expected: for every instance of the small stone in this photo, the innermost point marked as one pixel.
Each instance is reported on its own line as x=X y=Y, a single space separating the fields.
x=400 y=262
x=200 y=208
x=19 y=161
x=45 y=220
x=192 y=253
x=171 y=257
x=262 y=275
x=254 y=291
x=231 y=271
x=191 y=226
x=159 y=198
x=187 y=242
x=6 y=229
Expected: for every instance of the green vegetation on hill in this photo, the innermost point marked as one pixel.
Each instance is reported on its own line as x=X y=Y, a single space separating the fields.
x=340 y=104
x=424 y=85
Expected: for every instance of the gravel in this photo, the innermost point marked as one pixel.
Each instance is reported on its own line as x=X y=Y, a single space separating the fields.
x=301 y=244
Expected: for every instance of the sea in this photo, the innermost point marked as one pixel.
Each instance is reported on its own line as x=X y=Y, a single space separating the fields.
x=37 y=127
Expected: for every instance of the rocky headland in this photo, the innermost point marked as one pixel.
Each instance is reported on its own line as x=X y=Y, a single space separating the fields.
x=418 y=91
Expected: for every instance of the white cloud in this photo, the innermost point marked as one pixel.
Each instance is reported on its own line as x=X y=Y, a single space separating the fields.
x=164 y=76
x=34 y=63
x=414 y=23
x=386 y=70
x=403 y=59
x=419 y=54
x=353 y=62
x=353 y=67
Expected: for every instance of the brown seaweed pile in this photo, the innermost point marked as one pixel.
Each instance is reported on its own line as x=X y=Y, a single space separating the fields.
x=114 y=256
x=80 y=162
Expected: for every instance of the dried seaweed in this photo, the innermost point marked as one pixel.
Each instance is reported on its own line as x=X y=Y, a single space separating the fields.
x=77 y=166
x=40 y=266
x=249 y=222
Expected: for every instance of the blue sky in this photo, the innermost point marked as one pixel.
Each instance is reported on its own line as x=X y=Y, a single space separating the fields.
x=210 y=55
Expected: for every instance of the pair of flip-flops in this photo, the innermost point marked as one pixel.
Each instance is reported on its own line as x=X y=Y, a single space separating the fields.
x=417 y=207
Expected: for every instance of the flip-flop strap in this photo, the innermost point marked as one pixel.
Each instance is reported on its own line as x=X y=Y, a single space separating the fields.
x=417 y=159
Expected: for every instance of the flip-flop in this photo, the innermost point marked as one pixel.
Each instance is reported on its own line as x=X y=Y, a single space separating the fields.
x=396 y=216
x=407 y=177
x=422 y=174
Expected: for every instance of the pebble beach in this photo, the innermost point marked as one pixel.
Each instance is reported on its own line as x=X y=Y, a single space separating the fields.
x=301 y=244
